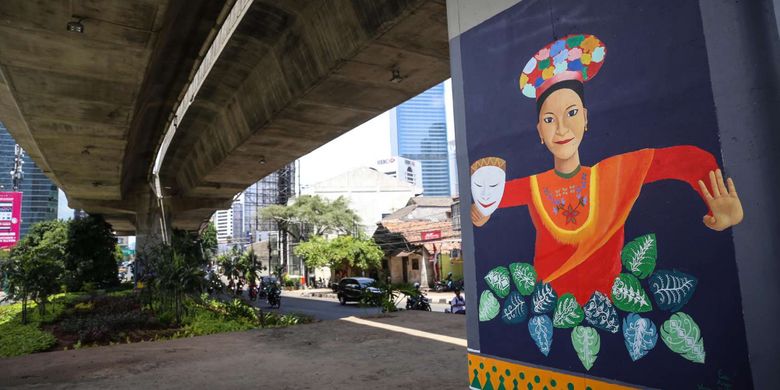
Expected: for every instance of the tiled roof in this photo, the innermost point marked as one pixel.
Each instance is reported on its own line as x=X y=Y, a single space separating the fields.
x=431 y=201
x=412 y=232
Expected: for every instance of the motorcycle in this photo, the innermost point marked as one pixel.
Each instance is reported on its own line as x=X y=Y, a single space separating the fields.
x=253 y=292
x=274 y=296
x=448 y=285
x=418 y=302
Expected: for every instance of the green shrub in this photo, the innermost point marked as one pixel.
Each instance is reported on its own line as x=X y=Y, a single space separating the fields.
x=55 y=309
x=273 y=320
x=84 y=306
x=166 y=318
x=17 y=339
x=238 y=309
x=88 y=287
x=206 y=322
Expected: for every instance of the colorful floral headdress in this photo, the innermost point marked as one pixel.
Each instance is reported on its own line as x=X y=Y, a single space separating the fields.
x=574 y=57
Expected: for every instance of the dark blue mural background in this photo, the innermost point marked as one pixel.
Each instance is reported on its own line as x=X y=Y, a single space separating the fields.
x=653 y=91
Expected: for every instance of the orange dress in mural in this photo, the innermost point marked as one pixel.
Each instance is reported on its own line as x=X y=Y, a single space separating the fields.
x=580 y=217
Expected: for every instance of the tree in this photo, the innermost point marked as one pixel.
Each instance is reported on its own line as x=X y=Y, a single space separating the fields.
x=249 y=266
x=343 y=251
x=173 y=277
x=90 y=253
x=208 y=238
x=35 y=266
x=189 y=245
x=230 y=263
x=311 y=215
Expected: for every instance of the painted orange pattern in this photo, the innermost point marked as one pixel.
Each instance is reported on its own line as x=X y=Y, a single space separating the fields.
x=492 y=374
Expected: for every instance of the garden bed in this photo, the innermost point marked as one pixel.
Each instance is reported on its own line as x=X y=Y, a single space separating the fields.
x=80 y=320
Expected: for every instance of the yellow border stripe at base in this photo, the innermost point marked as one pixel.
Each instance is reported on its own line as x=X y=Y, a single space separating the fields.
x=492 y=374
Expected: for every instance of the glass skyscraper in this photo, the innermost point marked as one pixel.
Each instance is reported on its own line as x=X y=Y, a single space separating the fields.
x=418 y=131
x=39 y=194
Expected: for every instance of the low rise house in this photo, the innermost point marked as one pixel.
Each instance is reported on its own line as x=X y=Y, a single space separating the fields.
x=418 y=241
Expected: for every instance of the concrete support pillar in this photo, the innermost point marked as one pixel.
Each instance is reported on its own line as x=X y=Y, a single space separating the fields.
x=151 y=229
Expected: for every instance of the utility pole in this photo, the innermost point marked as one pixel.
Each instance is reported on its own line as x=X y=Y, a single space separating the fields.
x=257 y=212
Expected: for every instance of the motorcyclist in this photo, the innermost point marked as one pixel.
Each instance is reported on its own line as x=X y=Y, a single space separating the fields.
x=274 y=294
x=448 y=281
x=415 y=300
x=458 y=303
x=252 y=290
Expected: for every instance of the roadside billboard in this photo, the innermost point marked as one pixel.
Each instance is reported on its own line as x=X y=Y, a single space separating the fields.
x=10 y=218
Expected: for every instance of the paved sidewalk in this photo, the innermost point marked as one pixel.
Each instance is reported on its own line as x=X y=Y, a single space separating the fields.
x=339 y=354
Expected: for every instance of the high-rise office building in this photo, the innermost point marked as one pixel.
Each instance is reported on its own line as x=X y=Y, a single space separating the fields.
x=223 y=221
x=418 y=131
x=39 y=194
x=406 y=170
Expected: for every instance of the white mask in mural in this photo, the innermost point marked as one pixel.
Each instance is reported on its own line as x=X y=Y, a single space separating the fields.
x=487 y=188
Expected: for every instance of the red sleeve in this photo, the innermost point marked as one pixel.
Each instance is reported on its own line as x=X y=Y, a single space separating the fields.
x=517 y=192
x=685 y=163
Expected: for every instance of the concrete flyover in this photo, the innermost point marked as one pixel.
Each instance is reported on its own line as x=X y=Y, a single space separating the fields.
x=92 y=109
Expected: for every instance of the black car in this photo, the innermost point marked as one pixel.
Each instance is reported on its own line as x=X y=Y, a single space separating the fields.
x=352 y=289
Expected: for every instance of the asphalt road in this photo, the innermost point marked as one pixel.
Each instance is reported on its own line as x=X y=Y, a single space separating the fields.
x=329 y=309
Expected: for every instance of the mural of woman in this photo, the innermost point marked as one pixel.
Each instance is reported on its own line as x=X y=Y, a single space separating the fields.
x=579 y=212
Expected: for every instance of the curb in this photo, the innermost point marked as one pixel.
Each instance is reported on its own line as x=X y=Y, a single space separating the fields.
x=322 y=295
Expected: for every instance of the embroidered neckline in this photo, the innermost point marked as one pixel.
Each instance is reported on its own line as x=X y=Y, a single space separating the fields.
x=570 y=174
x=563 y=234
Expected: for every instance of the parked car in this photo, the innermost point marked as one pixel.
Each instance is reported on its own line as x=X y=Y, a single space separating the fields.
x=352 y=289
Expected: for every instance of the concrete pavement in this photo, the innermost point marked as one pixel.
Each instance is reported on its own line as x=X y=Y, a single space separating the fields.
x=403 y=350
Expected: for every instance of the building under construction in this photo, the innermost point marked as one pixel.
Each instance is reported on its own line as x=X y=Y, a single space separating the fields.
x=243 y=225
x=276 y=188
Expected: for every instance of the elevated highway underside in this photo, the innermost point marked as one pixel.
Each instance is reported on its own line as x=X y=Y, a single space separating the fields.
x=91 y=109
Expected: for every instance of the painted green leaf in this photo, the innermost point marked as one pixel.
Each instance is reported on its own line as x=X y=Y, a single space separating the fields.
x=498 y=280
x=628 y=294
x=515 y=309
x=568 y=312
x=543 y=299
x=639 y=255
x=586 y=342
x=541 y=329
x=488 y=306
x=681 y=334
x=524 y=276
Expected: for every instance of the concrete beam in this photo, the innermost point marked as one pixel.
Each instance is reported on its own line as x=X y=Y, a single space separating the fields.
x=89 y=108
x=294 y=76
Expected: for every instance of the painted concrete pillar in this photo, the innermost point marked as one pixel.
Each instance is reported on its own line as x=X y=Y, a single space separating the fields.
x=604 y=250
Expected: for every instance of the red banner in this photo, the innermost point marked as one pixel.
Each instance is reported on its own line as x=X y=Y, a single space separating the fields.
x=10 y=218
x=431 y=235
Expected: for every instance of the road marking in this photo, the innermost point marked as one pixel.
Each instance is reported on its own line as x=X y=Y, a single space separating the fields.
x=412 y=332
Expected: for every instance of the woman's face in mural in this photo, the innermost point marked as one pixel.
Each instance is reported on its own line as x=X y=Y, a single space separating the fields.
x=562 y=123
x=487 y=188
